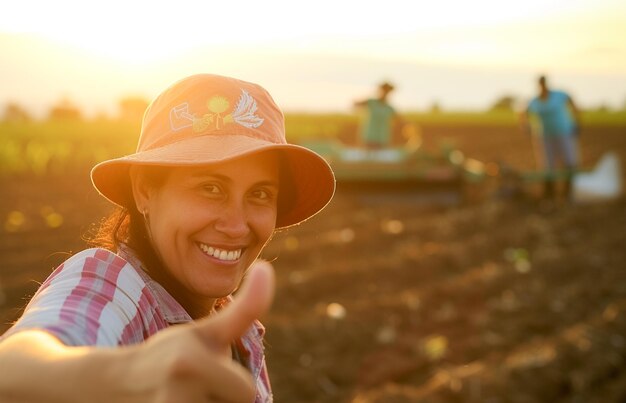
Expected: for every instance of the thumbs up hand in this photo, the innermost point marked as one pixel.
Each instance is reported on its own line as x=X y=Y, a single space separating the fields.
x=193 y=362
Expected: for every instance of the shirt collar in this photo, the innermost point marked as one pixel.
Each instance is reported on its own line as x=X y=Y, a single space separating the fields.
x=172 y=311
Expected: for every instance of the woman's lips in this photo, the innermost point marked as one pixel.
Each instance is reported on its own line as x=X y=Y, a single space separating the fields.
x=221 y=254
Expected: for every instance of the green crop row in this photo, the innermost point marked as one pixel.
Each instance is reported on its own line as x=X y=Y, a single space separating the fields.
x=42 y=148
x=58 y=147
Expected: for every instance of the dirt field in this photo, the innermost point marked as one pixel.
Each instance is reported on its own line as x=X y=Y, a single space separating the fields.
x=396 y=301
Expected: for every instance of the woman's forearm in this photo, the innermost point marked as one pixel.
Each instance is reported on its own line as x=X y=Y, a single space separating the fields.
x=189 y=362
x=37 y=367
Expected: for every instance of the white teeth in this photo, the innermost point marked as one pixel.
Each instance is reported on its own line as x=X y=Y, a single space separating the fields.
x=221 y=253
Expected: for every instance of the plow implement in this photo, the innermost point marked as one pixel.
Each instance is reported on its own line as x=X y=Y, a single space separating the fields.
x=406 y=175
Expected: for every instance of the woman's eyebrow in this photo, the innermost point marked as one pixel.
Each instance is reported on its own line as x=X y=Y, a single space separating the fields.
x=268 y=183
x=229 y=179
x=206 y=174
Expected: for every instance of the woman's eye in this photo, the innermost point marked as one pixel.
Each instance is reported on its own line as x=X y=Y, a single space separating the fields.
x=262 y=194
x=211 y=188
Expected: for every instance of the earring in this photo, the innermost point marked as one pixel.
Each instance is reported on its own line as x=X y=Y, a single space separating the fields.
x=146 y=222
x=144 y=213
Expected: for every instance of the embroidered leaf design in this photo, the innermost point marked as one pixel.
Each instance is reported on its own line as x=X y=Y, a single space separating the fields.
x=244 y=112
x=202 y=124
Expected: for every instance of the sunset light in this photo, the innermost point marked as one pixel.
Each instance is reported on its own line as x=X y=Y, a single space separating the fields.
x=432 y=193
x=144 y=31
x=329 y=46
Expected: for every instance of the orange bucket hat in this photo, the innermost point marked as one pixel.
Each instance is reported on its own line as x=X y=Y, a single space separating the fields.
x=206 y=119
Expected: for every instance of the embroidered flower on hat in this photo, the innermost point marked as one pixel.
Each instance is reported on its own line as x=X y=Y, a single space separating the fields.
x=243 y=114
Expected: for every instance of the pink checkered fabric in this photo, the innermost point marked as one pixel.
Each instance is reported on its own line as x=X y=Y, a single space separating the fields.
x=98 y=298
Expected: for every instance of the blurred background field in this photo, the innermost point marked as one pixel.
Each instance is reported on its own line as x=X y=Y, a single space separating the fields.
x=493 y=300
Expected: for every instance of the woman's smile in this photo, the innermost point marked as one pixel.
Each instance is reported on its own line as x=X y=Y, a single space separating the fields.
x=226 y=255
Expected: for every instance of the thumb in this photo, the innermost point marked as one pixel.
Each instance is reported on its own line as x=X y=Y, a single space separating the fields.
x=252 y=300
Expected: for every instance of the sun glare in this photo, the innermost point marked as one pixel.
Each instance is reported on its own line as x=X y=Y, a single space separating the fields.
x=135 y=46
x=129 y=48
x=136 y=32
x=142 y=32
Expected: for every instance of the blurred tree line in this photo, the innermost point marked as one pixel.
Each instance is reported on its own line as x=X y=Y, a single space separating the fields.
x=130 y=109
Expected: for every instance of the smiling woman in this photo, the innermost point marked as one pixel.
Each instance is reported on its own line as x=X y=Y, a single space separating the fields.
x=212 y=179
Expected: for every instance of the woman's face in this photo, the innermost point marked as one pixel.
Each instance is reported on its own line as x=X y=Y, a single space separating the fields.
x=209 y=223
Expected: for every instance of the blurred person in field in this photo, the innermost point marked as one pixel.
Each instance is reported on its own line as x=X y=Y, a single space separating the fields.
x=558 y=125
x=149 y=314
x=381 y=118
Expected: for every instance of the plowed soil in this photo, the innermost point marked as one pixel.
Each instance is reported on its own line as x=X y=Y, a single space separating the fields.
x=496 y=299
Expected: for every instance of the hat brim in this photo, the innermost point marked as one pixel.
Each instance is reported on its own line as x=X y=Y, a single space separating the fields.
x=313 y=179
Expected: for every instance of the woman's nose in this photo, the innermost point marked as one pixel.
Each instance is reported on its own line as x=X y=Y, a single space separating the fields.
x=232 y=220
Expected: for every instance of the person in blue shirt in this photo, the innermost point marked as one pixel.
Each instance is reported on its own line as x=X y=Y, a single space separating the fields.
x=377 y=129
x=558 y=123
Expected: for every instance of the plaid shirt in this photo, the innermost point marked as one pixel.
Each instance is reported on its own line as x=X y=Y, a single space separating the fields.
x=98 y=298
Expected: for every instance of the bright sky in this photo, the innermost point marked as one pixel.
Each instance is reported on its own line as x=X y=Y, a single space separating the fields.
x=575 y=37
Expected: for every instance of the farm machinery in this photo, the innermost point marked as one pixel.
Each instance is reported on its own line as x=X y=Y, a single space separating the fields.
x=412 y=174
x=408 y=172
